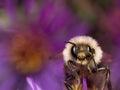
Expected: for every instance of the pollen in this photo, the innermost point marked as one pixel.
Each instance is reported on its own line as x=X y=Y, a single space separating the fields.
x=28 y=53
x=77 y=87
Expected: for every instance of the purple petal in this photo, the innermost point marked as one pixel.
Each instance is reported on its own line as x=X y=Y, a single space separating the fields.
x=33 y=84
x=29 y=7
x=7 y=78
x=2 y=3
x=4 y=63
x=58 y=39
x=11 y=10
x=51 y=77
x=7 y=81
x=52 y=17
x=115 y=75
x=84 y=84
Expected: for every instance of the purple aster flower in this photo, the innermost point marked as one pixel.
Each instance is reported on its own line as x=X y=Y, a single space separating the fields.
x=23 y=54
x=31 y=37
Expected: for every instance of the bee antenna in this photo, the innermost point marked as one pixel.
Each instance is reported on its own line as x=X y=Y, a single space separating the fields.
x=70 y=43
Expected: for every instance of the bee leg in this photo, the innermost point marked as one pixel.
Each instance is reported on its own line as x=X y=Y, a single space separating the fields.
x=107 y=77
x=67 y=82
x=73 y=68
x=68 y=86
x=69 y=76
x=74 y=75
x=71 y=65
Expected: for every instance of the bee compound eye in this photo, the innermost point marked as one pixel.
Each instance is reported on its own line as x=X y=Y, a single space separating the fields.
x=74 y=51
x=88 y=48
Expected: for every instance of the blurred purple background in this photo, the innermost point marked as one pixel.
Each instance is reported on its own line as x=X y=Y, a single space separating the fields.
x=31 y=31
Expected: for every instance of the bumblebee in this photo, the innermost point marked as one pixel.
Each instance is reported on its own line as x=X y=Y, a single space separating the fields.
x=83 y=59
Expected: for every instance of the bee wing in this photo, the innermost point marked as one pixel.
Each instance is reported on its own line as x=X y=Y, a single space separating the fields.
x=107 y=58
x=56 y=56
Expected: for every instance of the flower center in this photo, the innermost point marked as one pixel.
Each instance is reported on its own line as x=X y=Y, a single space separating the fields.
x=27 y=53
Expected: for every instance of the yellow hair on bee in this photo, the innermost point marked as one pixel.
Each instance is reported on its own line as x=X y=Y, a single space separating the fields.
x=83 y=40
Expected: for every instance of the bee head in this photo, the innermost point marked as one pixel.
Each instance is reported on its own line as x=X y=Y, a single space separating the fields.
x=81 y=51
